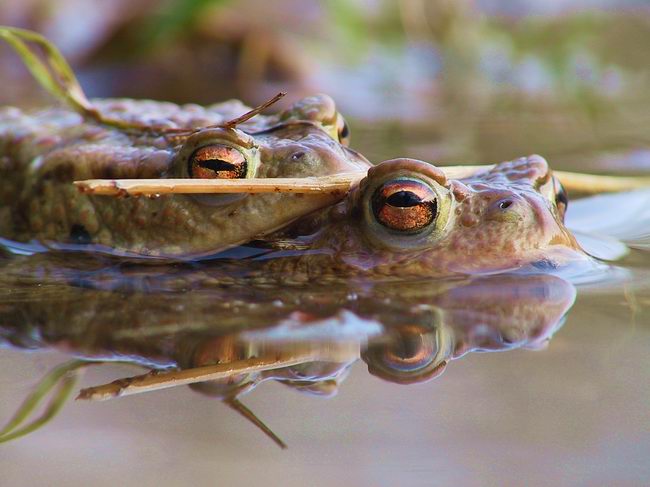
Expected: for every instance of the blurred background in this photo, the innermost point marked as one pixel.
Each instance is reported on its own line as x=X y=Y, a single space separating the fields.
x=448 y=81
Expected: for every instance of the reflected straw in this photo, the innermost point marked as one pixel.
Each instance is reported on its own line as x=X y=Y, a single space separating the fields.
x=339 y=183
x=156 y=380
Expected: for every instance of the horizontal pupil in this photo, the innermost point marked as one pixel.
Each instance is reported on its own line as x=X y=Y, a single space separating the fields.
x=403 y=199
x=217 y=165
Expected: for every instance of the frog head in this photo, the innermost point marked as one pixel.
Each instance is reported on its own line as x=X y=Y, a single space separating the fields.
x=406 y=218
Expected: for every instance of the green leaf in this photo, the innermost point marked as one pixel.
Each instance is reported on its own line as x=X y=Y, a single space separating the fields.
x=61 y=380
x=53 y=72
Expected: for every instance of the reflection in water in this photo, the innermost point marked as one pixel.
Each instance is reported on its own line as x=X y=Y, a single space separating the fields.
x=194 y=325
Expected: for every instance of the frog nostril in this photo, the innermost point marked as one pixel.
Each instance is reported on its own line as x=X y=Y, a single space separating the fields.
x=296 y=156
x=505 y=204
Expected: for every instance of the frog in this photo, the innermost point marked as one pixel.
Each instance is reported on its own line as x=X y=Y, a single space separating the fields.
x=43 y=153
x=407 y=220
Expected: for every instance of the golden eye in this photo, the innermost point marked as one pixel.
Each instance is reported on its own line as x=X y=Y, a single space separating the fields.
x=405 y=205
x=342 y=130
x=217 y=161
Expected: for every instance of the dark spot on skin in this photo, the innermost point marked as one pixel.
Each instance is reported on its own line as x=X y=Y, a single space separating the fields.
x=79 y=235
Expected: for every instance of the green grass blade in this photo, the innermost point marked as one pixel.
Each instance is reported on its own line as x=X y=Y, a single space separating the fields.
x=60 y=375
x=66 y=386
x=53 y=73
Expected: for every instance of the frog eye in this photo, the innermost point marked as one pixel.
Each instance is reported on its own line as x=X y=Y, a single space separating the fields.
x=343 y=131
x=217 y=161
x=405 y=205
x=561 y=198
x=413 y=355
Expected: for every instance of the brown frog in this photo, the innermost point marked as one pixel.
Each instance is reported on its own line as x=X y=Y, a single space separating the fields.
x=41 y=155
x=407 y=219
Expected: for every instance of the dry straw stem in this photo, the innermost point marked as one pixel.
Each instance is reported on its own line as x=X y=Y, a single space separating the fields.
x=594 y=184
x=339 y=183
x=154 y=381
x=572 y=181
x=137 y=187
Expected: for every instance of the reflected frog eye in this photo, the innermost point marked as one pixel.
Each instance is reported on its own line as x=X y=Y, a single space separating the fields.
x=405 y=205
x=414 y=355
x=217 y=161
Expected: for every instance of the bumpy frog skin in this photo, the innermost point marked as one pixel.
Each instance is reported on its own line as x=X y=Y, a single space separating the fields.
x=41 y=154
x=406 y=219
